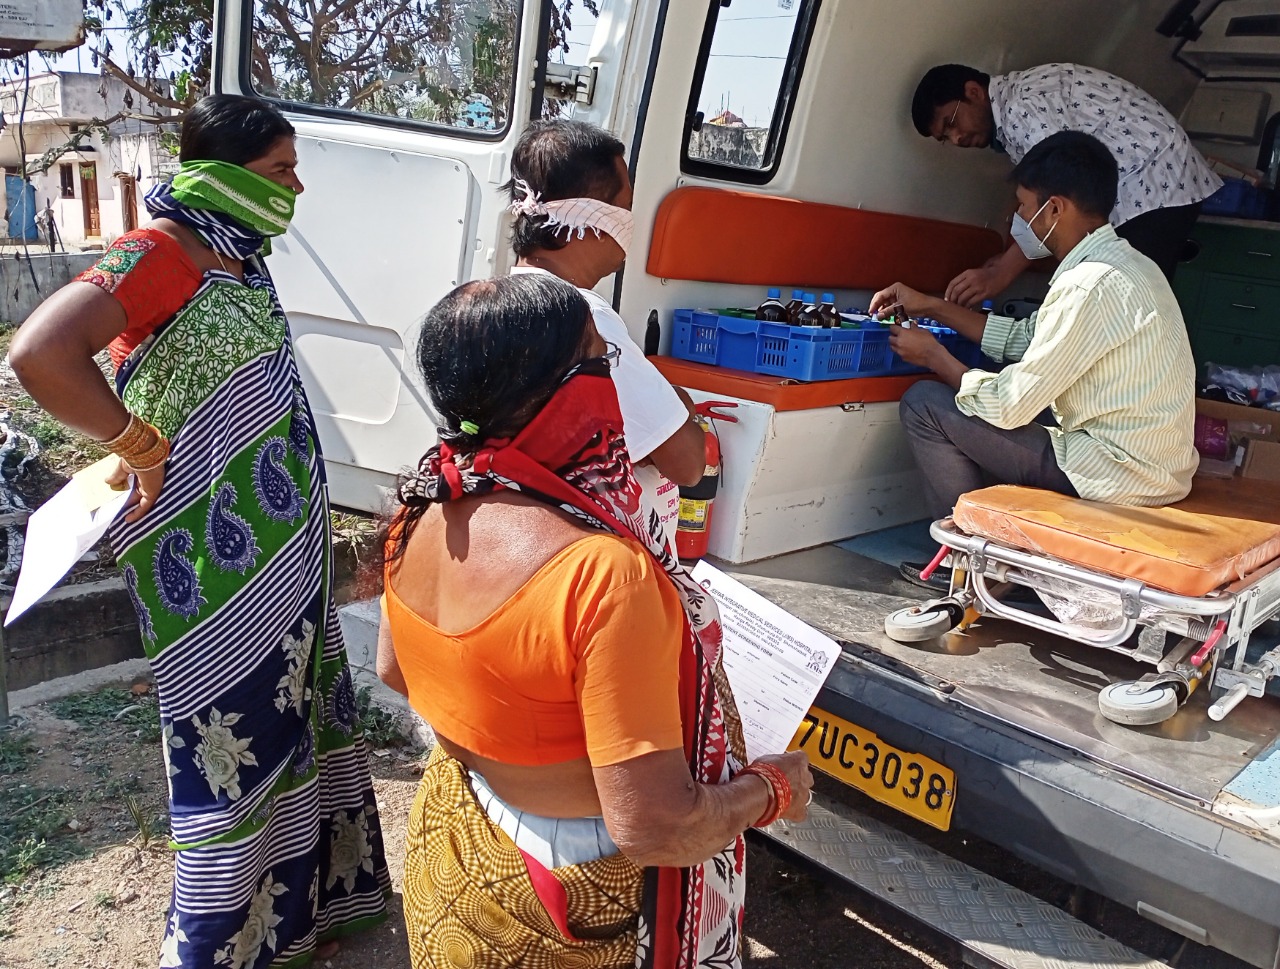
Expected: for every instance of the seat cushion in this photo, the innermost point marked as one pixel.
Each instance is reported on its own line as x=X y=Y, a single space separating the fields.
x=1190 y=548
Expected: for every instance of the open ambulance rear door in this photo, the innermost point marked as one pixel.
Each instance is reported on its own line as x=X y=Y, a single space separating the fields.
x=407 y=112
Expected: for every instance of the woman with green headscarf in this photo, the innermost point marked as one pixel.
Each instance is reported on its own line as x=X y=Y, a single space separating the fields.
x=226 y=552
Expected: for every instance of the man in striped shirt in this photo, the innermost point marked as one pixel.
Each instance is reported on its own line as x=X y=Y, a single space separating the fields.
x=1107 y=352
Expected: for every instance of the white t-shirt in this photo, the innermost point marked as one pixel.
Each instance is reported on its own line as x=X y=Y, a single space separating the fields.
x=651 y=410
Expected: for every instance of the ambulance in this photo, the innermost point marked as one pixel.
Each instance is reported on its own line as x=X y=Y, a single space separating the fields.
x=770 y=145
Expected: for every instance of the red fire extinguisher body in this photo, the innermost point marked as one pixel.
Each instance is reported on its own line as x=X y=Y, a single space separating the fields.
x=697 y=501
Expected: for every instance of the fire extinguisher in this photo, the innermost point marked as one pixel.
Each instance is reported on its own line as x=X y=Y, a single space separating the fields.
x=692 y=533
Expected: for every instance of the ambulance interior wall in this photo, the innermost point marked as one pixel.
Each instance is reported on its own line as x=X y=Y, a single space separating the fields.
x=1244 y=155
x=851 y=141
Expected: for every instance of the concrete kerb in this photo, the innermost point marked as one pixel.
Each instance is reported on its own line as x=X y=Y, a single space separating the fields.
x=84 y=682
x=73 y=628
x=360 y=622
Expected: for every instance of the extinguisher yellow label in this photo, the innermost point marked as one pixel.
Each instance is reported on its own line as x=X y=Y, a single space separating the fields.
x=693 y=514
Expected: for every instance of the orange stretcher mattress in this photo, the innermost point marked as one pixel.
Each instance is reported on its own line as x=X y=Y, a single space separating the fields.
x=1190 y=549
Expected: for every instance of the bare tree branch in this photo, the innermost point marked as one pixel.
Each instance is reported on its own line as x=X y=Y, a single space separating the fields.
x=370 y=89
x=155 y=97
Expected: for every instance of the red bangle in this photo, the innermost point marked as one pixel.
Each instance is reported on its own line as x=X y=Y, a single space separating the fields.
x=780 y=788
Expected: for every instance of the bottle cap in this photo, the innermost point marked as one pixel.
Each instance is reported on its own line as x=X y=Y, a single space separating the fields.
x=797 y=294
x=775 y=293
x=828 y=298
x=808 y=297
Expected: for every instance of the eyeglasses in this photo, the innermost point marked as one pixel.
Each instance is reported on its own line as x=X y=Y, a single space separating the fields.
x=950 y=121
x=611 y=355
x=599 y=366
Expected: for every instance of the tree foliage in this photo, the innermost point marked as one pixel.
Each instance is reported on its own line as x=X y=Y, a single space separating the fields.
x=449 y=62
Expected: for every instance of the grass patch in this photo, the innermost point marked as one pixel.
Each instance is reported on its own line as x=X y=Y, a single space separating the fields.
x=33 y=831
x=15 y=752
x=49 y=432
x=357 y=532
x=381 y=729
x=120 y=706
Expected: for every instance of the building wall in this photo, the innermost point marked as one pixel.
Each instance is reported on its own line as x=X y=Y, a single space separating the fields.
x=131 y=146
x=133 y=152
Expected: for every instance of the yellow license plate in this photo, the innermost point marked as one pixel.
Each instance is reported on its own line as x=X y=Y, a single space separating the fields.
x=914 y=784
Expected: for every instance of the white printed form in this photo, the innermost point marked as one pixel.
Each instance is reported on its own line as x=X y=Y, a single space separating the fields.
x=63 y=529
x=776 y=663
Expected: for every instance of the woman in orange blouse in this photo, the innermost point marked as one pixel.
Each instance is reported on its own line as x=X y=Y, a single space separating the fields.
x=587 y=795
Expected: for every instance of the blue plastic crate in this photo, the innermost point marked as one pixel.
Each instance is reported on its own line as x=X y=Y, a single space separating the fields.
x=1239 y=199
x=796 y=352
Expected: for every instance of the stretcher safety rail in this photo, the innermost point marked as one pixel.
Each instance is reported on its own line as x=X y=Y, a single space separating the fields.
x=1211 y=627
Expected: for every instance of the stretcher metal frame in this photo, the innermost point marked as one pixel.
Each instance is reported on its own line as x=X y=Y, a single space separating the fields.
x=1215 y=629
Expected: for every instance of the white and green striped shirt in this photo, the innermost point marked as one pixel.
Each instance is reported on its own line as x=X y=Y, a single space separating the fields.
x=1108 y=352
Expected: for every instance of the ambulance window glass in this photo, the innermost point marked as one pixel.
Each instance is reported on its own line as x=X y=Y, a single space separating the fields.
x=450 y=64
x=748 y=71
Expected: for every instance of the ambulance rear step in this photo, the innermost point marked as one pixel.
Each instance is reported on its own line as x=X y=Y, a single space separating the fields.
x=993 y=924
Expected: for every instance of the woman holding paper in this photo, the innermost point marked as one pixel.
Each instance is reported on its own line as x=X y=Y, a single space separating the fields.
x=226 y=554
x=585 y=802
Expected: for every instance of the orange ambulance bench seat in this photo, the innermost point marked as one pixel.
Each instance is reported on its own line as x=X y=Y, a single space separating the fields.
x=1222 y=532
x=721 y=236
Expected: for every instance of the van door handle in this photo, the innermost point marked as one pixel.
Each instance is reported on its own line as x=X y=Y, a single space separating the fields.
x=1243 y=306
x=1259 y=252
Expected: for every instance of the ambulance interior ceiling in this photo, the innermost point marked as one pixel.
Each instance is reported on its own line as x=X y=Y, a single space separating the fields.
x=851 y=140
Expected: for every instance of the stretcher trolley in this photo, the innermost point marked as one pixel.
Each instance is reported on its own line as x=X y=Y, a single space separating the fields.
x=1183 y=588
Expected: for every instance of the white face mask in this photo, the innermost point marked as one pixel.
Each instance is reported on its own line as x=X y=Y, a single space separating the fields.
x=580 y=214
x=1032 y=246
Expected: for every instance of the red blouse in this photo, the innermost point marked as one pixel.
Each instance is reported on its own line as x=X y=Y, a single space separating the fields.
x=151 y=276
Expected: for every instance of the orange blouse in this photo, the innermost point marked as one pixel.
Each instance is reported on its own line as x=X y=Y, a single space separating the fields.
x=582 y=661
x=152 y=276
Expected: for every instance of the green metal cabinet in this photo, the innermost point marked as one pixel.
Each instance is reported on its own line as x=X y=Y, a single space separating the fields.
x=1229 y=291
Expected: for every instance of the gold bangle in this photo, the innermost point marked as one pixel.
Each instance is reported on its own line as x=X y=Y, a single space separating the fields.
x=128 y=439
x=151 y=458
x=137 y=444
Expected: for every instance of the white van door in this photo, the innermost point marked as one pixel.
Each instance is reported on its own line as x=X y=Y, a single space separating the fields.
x=407 y=112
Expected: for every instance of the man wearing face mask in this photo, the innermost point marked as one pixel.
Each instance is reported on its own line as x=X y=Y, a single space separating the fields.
x=1163 y=179
x=1107 y=352
x=571 y=195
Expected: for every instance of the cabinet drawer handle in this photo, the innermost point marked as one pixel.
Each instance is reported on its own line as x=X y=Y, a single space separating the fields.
x=1243 y=306
x=1258 y=252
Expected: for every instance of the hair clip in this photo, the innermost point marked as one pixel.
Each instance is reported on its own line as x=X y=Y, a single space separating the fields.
x=469 y=427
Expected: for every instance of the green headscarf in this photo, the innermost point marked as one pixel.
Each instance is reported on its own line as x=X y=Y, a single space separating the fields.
x=257 y=203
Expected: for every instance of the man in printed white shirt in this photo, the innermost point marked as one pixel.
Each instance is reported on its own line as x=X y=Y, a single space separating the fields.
x=1163 y=179
x=571 y=195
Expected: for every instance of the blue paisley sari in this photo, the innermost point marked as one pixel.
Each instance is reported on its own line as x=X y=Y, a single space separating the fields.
x=272 y=809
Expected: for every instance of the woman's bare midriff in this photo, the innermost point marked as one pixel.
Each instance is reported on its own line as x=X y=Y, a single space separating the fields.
x=566 y=790
x=468 y=558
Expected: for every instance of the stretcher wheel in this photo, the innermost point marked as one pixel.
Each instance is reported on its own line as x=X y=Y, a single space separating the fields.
x=918 y=624
x=1155 y=705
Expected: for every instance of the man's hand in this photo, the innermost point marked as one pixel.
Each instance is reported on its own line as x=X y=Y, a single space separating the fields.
x=972 y=286
x=996 y=275
x=916 y=346
x=914 y=303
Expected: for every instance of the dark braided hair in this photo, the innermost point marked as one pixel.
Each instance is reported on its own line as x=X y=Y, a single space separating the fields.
x=491 y=354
